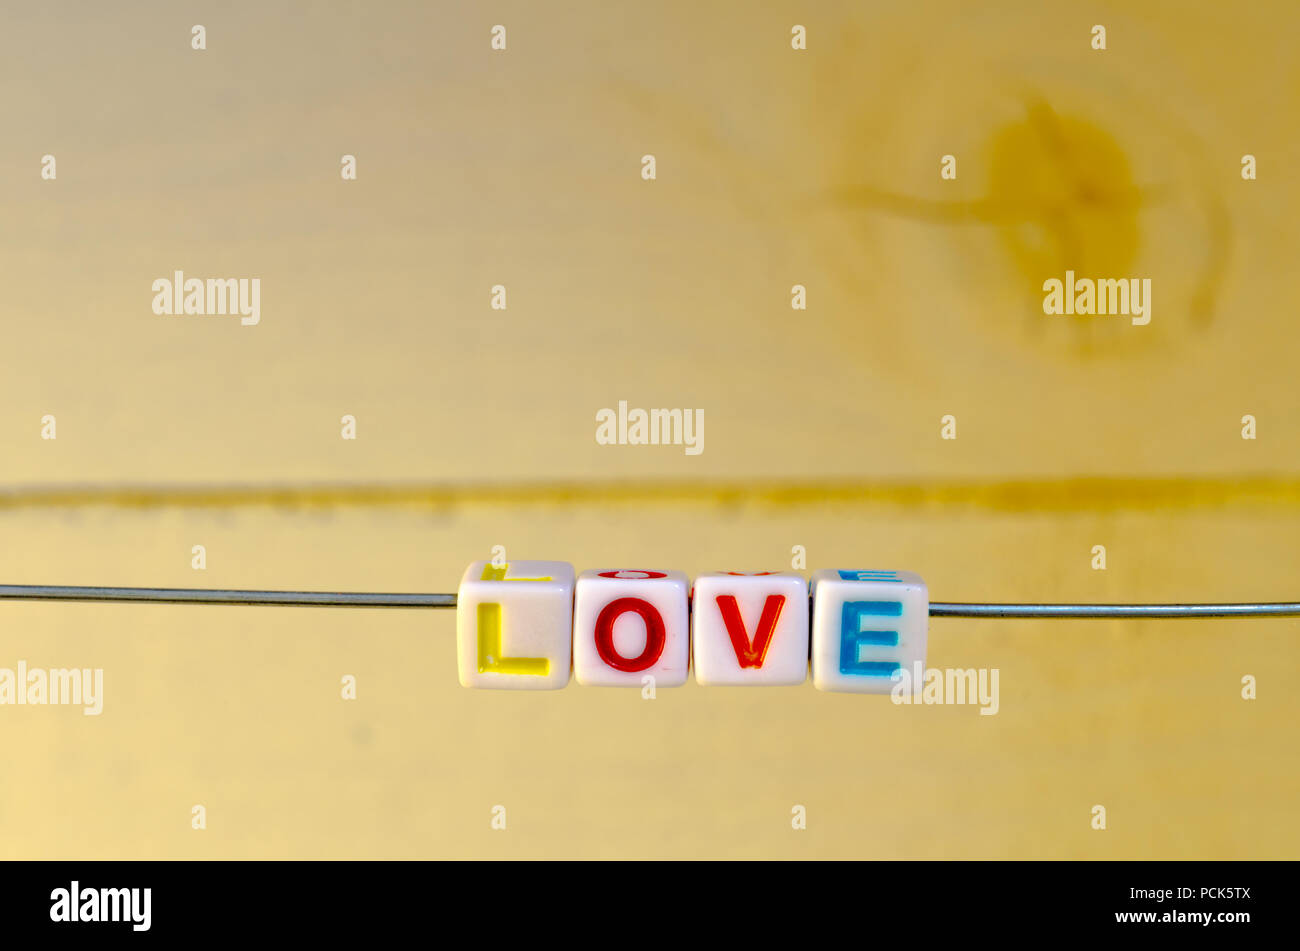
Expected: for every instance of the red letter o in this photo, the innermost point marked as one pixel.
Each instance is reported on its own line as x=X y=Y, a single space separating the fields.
x=654 y=634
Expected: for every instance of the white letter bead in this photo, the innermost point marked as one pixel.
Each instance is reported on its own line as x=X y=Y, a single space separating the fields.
x=867 y=625
x=631 y=624
x=750 y=629
x=514 y=625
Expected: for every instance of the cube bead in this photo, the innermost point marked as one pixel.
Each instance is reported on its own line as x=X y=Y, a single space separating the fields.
x=514 y=625
x=868 y=625
x=750 y=629
x=630 y=624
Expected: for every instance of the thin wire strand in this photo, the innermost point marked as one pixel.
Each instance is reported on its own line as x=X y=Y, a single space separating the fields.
x=332 y=599
x=1283 y=609
x=357 y=599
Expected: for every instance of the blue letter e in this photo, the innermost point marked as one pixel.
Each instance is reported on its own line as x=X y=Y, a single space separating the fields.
x=853 y=636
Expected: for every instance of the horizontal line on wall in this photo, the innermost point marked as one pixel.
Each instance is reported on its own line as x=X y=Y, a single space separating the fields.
x=1021 y=495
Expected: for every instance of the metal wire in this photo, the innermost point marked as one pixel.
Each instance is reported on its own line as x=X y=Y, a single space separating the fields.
x=332 y=599
x=358 y=599
x=938 y=609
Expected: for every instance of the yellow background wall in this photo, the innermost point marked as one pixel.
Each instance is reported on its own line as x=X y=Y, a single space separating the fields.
x=775 y=167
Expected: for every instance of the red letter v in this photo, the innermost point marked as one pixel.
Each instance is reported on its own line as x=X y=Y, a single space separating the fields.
x=750 y=655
